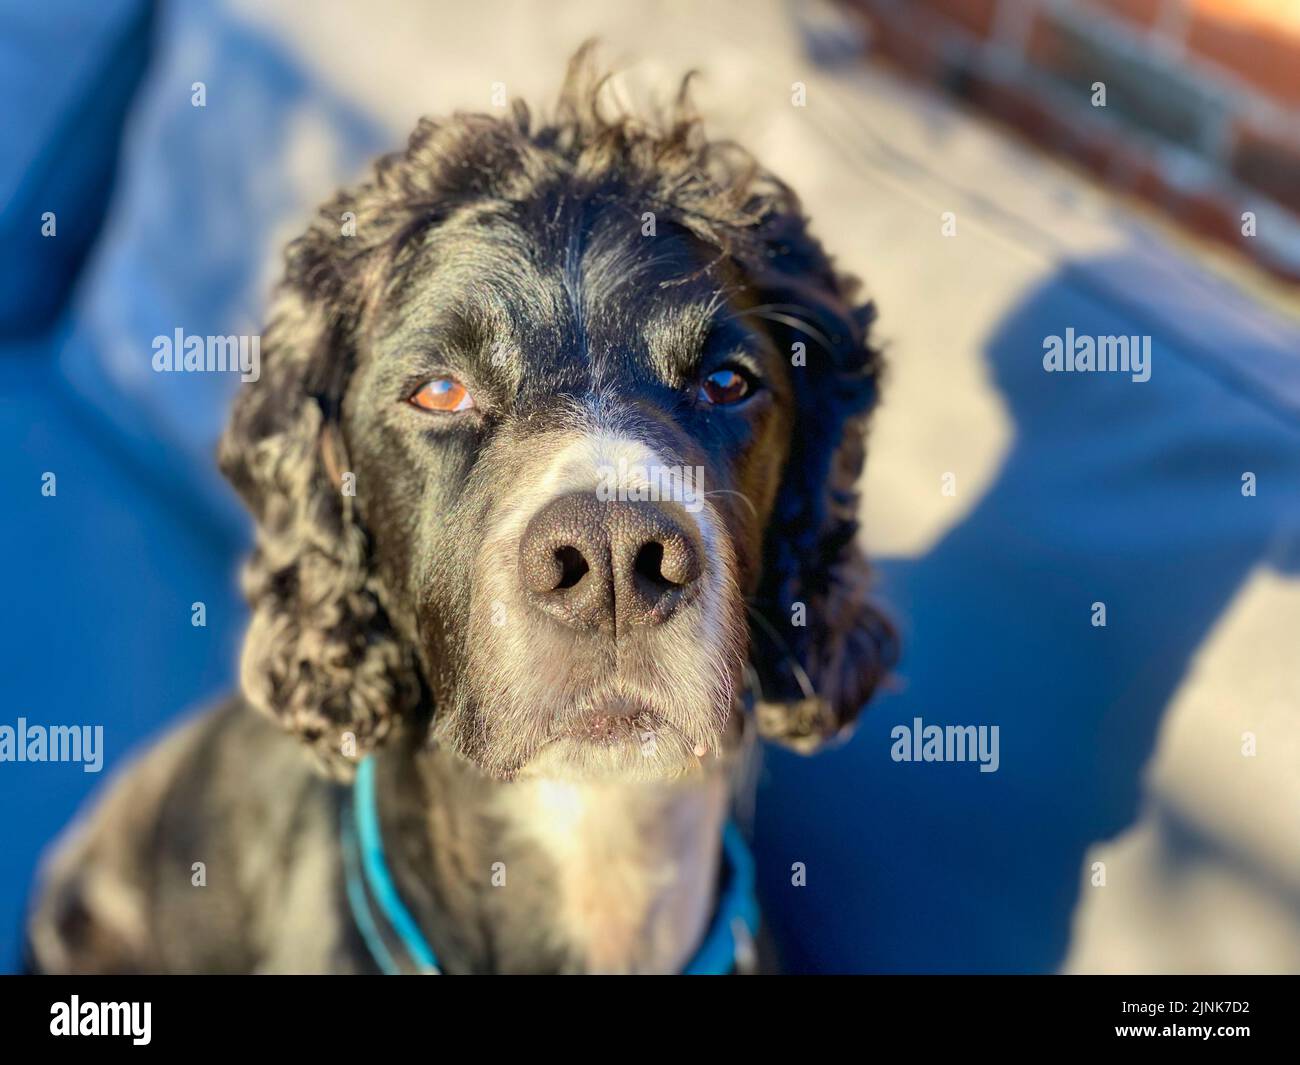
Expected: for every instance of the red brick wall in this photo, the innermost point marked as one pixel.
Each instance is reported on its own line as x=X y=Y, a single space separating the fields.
x=1201 y=112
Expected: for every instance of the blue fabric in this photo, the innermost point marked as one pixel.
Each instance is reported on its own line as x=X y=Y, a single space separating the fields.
x=68 y=72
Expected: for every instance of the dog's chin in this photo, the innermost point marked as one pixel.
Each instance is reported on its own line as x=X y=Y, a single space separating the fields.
x=611 y=747
x=626 y=755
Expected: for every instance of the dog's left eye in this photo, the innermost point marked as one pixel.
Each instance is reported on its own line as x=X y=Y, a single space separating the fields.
x=725 y=386
x=445 y=395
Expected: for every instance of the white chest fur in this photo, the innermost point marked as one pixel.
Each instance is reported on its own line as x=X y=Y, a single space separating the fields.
x=636 y=865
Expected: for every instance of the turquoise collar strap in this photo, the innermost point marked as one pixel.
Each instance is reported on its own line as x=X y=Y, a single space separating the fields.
x=397 y=945
x=368 y=879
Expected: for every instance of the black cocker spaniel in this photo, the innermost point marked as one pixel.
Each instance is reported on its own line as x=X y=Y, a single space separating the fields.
x=553 y=460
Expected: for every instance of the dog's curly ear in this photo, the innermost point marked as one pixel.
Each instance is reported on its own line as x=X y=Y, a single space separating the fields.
x=320 y=655
x=820 y=646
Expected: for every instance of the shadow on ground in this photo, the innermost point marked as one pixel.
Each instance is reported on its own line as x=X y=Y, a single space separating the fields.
x=1113 y=491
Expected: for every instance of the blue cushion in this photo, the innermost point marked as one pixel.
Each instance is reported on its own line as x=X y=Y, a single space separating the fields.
x=67 y=73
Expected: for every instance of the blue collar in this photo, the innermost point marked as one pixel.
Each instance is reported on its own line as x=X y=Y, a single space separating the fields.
x=398 y=946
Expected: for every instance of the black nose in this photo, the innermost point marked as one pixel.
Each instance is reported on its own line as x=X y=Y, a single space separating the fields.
x=608 y=565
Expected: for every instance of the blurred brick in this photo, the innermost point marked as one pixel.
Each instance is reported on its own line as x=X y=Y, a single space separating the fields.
x=1268 y=163
x=1257 y=41
x=1100 y=155
x=901 y=38
x=1029 y=114
x=1148 y=96
x=977 y=16
x=1210 y=215
x=1147 y=180
x=1021 y=108
x=1141 y=12
x=1169 y=102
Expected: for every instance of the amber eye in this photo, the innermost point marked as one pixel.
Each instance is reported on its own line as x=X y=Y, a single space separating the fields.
x=443 y=394
x=724 y=386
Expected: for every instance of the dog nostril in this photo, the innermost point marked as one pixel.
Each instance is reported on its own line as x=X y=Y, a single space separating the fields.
x=573 y=567
x=649 y=563
x=666 y=566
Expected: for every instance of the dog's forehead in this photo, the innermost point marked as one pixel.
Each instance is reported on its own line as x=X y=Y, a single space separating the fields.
x=568 y=300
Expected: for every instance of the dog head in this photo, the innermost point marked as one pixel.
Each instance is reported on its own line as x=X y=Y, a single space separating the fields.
x=557 y=433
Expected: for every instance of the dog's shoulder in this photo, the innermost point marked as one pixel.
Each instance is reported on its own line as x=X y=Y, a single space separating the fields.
x=91 y=908
x=158 y=852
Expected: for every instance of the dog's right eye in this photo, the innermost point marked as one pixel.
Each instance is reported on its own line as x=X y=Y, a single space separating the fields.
x=724 y=387
x=445 y=395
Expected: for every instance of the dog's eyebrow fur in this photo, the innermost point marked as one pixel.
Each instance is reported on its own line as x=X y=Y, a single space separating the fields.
x=574 y=278
x=470 y=330
x=684 y=336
